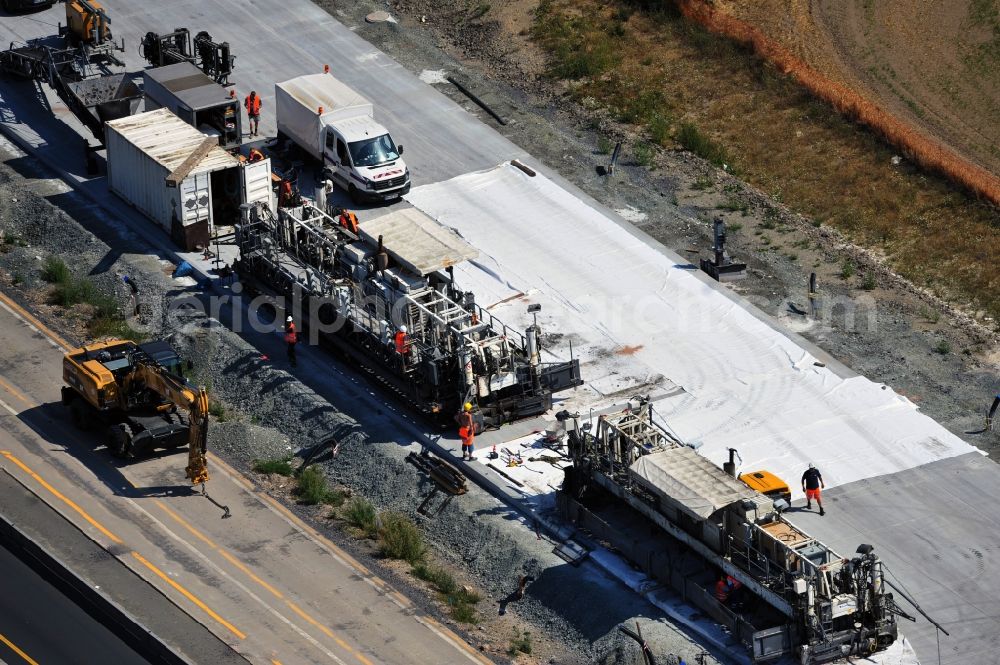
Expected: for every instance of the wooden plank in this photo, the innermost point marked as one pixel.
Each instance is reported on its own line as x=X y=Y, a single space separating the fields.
x=198 y=154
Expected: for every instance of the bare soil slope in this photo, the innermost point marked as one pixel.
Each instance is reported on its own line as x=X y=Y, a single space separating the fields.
x=934 y=64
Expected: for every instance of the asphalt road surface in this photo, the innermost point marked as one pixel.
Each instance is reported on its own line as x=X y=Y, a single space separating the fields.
x=261 y=580
x=38 y=624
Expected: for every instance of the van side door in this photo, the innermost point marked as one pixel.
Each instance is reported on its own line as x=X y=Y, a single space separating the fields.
x=343 y=170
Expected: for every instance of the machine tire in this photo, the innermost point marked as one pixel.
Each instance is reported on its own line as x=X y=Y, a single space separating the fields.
x=120 y=440
x=78 y=415
x=352 y=191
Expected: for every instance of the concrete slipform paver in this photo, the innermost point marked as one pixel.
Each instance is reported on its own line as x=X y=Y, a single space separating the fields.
x=260 y=579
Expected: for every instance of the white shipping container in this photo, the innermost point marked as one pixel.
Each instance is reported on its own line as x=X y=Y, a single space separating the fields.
x=144 y=149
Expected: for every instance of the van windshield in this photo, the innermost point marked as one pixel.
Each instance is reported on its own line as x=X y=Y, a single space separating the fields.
x=372 y=152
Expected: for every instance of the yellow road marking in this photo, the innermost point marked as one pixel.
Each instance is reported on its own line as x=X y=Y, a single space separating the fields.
x=42 y=328
x=329 y=633
x=401 y=601
x=115 y=539
x=13 y=647
x=275 y=661
x=226 y=555
x=56 y=493
x=443 y=632
x=14 y=391
x=190 y=596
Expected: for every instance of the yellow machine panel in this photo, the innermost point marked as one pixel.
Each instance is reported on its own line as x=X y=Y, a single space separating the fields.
x=87 y=22
x=767 y=484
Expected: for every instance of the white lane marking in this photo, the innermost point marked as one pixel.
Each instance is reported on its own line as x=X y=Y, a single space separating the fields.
x=8 y=408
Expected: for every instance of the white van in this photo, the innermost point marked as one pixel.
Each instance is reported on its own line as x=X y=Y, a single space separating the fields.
x=336 y=125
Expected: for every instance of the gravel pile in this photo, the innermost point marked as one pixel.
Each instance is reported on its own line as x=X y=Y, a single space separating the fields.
x=33 y=230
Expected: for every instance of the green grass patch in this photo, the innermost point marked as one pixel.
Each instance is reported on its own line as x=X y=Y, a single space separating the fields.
x=281 y=466
x=868 y=283
x=461 y=601
x=217 y=409
x=847 y=269
x=943 y=347
x=643 y=153
x=399 y=538
x=360 y=513
x=703 y=182
x=693 y=140
x=313 y=488
x=520 y=643
x=55 y=271
x=733 y=204
x=604 y=145
x=479 y=11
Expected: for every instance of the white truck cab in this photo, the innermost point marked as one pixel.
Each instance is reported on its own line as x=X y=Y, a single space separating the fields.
x=336 y=125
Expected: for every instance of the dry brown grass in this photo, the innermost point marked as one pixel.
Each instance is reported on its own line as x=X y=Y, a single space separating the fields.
x=925 y=151
x=669 y=74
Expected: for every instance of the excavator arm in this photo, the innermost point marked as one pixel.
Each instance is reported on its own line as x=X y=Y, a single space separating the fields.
x=188 y=398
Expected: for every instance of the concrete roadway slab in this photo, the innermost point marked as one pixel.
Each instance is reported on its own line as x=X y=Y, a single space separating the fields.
x=260 y=580
x=937 y=529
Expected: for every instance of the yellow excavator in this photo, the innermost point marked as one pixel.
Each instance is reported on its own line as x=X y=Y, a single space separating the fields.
x=139 y=394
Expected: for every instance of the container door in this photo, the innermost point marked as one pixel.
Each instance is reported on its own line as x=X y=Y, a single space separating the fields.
x=256 y=183
x=196 y=202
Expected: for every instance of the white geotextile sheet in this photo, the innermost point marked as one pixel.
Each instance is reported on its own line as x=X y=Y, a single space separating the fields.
x=642 y=323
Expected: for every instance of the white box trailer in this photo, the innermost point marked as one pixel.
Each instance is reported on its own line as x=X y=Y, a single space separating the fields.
x=144 y=149
x=336 y=125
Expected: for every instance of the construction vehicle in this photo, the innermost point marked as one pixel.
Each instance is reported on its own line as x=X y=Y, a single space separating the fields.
x=86 y=23
x=358 y=291
x=86 y=73
x=214 y=59
x=334 y=124
x=139 y=395
x=795 y=595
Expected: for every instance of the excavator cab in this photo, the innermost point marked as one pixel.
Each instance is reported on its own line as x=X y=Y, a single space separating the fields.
x=140 y=395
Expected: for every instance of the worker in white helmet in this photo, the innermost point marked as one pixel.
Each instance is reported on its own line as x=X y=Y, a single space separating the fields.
x=466 y=430
x=291 y=339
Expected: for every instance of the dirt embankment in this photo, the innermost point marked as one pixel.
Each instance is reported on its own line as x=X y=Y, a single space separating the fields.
x=929 y=67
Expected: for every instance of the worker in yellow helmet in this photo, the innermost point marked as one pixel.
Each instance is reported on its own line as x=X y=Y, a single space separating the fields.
x=466 y=430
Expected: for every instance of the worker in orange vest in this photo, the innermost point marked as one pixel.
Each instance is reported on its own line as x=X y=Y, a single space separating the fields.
x=255 y=156
x=722 y=589
x=349 y=221
x=291 y=339
x=402 y=342
x=252 y=105
x=285 y=194
x=466 y=431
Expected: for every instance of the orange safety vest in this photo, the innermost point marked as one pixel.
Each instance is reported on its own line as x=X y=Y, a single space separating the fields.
x=349 y=221
x=402 y=346
x=291 y=337
x=252 y=105
x=466 y=429
x=255 y=155
x=722 y=590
